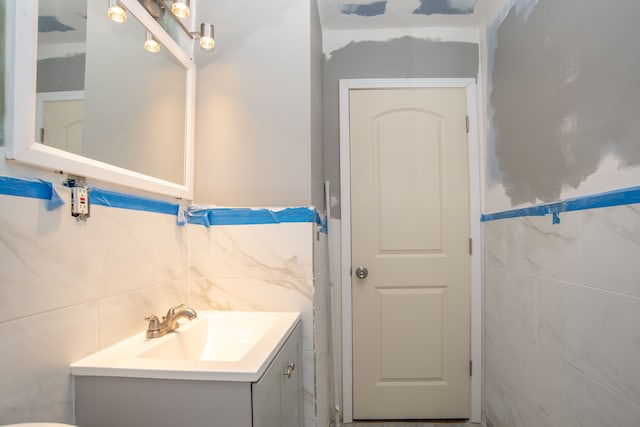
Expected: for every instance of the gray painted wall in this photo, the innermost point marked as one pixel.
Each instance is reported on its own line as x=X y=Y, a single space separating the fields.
x=317 y=147
x=61 y=74
x=561 y=300
x=404 y=57
x=566 y=93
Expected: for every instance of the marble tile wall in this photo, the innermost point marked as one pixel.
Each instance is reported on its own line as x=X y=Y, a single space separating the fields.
x=322 y=332
x=68 y=289
x=562 y=309
x=278 y=267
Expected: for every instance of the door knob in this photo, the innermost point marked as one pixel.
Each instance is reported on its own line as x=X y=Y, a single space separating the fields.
x=361 y=272
x=291 y=366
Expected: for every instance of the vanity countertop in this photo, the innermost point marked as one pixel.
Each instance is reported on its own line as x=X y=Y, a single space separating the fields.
x=216 y=346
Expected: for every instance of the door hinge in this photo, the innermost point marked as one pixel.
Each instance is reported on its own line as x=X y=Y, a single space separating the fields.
x=42 y=135
x=467 y=124
x=470 y=368
x=470 y=246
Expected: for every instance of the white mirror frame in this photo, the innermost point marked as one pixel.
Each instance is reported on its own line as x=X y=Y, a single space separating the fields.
x=21 y=48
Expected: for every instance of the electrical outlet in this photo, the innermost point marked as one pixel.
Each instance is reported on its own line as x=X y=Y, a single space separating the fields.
x=79 y=196
x=79 y=201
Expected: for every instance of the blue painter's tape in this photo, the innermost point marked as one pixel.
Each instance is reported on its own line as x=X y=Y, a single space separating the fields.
x=36 y=189
x=323 y=223
x=625 y=196
x=532 y=211
x=198 y=215
x=113 y=199
x=208 y=217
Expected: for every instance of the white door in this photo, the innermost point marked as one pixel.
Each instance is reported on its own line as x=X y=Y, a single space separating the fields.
x=60 y=119
x=410 y=236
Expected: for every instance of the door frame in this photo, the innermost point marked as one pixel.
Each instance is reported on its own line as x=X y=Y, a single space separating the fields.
x=345 y=85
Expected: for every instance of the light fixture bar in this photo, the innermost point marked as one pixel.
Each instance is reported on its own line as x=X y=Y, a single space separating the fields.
x=191 y=34
x=206 y=29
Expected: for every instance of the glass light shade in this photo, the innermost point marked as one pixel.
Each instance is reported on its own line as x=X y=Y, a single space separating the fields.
x=116 y=12
x=207 y=43
x=206 y=36
x=180 y=8
x=151 y=44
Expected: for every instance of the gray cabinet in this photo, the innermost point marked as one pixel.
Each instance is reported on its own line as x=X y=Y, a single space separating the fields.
x=276 y=396
x=275 y=400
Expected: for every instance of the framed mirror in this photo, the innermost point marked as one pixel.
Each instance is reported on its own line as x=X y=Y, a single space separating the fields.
x=88 y=99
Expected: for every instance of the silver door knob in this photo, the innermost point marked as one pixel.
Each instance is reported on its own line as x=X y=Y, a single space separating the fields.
x=291 y=366
x=361 y=272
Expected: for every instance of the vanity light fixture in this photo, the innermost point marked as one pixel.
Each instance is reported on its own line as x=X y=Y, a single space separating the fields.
x=116 y=11
x=180 y=8
x=151 y=44
x=206 y=29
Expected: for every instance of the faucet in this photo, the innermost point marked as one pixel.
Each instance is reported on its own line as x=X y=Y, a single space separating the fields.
x=169 y=322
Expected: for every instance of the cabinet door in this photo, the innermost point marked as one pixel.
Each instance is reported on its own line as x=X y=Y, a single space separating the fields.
x=277 y=395
x=267 y=399
x=291 y=390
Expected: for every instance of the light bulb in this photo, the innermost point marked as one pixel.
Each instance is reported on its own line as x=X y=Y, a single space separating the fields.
x=116 y=12
x=180 y=8
x=207 y=43
x=151 y=44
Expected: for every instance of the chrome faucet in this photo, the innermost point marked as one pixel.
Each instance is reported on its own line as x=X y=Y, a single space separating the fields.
x=169 y=322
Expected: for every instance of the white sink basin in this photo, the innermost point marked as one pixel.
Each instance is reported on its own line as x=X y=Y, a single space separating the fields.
x=220 y=337
x=216 y=346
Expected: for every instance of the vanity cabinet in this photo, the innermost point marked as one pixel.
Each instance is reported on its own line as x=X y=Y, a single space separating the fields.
x=274 y=400
x=276 y=396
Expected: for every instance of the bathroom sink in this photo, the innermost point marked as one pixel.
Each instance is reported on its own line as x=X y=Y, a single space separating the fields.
x=217 y=345
x=221 y=337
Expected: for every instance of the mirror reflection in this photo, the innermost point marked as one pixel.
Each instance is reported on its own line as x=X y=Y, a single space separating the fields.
x=101 y=95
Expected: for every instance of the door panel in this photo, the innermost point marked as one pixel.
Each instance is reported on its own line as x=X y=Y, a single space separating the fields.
x=402 y=160
x=62 y=125
x=419 y=359
x=410 y=229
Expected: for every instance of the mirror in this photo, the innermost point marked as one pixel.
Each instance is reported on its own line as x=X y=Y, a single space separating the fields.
x=101 y=106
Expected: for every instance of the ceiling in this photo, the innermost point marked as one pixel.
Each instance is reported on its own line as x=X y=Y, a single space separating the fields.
x=343 y=21
x=62 y=21
x=339 y=14
x=398 y=14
